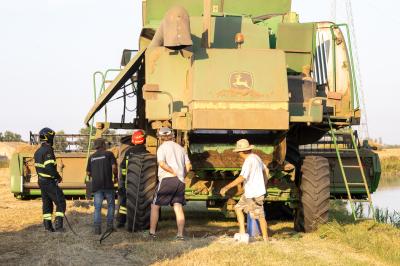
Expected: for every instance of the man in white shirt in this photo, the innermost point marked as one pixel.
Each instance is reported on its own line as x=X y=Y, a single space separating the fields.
x=173 y=165
x=253 y=174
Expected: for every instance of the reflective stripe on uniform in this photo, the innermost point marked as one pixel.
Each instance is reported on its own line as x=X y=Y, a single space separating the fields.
x=60 y=214
x=47 y=216
x=123 y=171
x=122 y=209
x=39 y=165
x=49 y=161
x=45 y=175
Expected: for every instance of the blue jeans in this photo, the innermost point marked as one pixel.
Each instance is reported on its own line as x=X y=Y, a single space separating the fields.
x=99 y=196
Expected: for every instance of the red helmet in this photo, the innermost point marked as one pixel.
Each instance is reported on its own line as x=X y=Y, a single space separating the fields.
x=138 y=137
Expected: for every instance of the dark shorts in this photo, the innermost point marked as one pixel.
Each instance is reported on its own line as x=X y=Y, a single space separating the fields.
x=169 y=191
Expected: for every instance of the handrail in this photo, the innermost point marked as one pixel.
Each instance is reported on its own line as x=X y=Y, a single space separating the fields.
x=103 y=77
x=353 y=80
x=102 y=87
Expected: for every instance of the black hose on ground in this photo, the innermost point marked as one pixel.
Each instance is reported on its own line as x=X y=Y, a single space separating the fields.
x=70 y=226
x=65 y=216
x=106 y=234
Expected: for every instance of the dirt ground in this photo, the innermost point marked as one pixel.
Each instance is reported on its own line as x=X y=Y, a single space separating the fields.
x=23 y=241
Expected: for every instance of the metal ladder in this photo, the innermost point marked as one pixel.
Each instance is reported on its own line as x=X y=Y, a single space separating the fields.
x=359 y=166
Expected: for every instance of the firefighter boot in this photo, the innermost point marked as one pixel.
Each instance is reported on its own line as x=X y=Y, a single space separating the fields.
x=121 y=220
x=58 y=224
x=48 y=225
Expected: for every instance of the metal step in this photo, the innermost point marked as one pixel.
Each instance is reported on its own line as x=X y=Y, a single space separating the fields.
x=341 y=149
x=356 y=184
x=365 y=219
x=358 y=200
x=351 y=166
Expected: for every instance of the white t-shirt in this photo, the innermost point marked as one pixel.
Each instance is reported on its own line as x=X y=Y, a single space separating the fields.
x=252 y=171
x=174 y=156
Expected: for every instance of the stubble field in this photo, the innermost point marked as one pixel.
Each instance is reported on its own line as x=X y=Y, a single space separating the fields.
x=209 y=240
x=23 y=240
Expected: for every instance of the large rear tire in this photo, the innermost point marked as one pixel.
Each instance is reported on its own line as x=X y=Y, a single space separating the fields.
x=141 y=184
x=313 y=208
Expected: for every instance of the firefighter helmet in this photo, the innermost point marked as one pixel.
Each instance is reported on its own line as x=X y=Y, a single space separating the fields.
x=138 y=137
x=47 y=135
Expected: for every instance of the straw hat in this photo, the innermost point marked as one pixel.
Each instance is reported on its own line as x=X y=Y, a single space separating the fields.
x=164 y=131
x=243 y=145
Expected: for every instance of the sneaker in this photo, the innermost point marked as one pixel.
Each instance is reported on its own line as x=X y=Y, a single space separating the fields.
x=153 y=236
x=180 y=238
x=237 y=236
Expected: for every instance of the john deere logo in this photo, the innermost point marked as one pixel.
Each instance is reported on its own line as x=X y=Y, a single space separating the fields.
x=241 y=80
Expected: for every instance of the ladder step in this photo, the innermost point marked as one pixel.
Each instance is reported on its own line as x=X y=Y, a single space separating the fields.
x=351 y=166
x=358 y=200
x=340 y=149
x=356 y=184
x=365 y=219
x=343 y=133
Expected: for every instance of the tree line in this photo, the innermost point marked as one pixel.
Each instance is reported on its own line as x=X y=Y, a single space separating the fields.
x=8 y=136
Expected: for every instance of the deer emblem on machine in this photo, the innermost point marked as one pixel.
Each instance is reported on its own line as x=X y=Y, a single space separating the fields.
x=241 y=80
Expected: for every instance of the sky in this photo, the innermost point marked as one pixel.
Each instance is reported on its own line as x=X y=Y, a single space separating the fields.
x=49 y=50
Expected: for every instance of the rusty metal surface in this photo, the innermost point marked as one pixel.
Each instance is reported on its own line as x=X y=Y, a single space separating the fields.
x=226 y=159
x=239 y=119
x=71 y=166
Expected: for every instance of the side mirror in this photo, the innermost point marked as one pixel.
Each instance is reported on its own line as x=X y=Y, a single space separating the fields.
x=126 y=56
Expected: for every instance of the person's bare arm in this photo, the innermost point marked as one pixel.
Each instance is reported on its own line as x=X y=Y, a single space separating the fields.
x=167 y=168
x=265 y=173
x=232 y=184
x=188 y=167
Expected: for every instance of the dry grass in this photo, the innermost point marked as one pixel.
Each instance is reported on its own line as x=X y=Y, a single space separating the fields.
x=390 y=170
x=340 y=242
x=390 y=165
x=388 y=153
x=23 y=241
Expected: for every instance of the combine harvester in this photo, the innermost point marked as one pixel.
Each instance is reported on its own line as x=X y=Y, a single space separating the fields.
x=219 y=71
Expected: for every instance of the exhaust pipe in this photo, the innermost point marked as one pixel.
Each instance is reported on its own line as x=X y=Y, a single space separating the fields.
x=174 y=31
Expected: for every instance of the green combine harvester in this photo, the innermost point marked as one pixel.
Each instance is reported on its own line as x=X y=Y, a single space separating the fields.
x=218 y=71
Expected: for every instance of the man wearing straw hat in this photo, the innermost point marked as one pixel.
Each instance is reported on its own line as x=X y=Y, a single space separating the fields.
x=253 y=174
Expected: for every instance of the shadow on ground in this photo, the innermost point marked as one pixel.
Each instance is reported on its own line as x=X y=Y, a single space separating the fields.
x=33 y=245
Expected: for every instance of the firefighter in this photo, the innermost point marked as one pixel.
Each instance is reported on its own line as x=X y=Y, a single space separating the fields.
x=138 y=141
x=48 y=179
